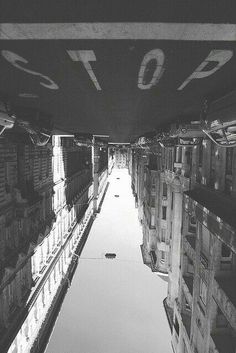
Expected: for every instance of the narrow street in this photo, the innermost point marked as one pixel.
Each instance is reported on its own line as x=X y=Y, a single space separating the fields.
x=117 y=177
x=113 y=305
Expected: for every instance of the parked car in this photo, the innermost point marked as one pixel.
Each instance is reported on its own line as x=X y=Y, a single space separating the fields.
x=7 y=117
x=219 y=120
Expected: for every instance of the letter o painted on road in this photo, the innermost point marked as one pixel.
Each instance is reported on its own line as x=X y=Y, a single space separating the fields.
x=159 y=57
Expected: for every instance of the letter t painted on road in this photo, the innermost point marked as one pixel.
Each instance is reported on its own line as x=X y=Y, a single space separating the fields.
x=85 y=56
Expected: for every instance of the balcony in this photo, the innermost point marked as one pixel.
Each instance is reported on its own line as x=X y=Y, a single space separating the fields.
x=169 y=313
x=204 y=260
x=223 y=342
x=188 y=288
x=189 y=283
x=186 y=320
x=189 y=246
x=224 y=293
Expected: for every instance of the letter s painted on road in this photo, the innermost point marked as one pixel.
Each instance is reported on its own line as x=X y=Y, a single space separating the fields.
x=15 y=58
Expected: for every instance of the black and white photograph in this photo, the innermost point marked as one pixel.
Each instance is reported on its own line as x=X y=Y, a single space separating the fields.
x=117 y=176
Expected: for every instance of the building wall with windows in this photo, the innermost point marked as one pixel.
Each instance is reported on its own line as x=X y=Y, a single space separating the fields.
x=194 y=234
x=45 y=215
x=203 y=309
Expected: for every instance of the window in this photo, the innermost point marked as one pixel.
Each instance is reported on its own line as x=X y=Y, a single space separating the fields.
x=163 y=255
x=23 y=280
x=226 y=258
x=172 y=200
x=8 y=235
x=203 y=291
x=153 y=201
x=164 y=190
x=171 y=230
x=225 y=251
x=163 y=235
x=205 y=243
x=178 y=154
x=153 y=184
x=192 y=225
x=152 y=221
x=200 y=155
x=176 y=326
x=188 y=157
x=229 y=161
x=229 y=170
x=153 y=256
x=190 y=266
x=221 y=321
x=164 y=212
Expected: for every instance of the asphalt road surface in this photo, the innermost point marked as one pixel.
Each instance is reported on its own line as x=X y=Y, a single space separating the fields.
x=109 y=70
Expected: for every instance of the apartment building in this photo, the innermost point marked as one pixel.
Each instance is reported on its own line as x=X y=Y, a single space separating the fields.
x=202 y=312
x=46 y=209
x=121 y=157
x=186 y=202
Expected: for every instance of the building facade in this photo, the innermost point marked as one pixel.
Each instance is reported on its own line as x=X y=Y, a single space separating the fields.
x=186 y=201
x=46 y=201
